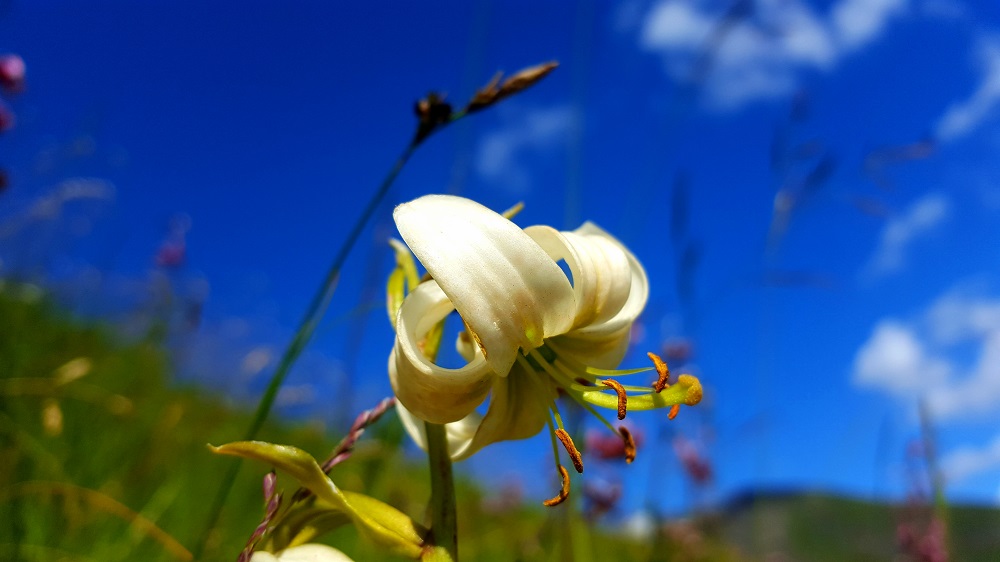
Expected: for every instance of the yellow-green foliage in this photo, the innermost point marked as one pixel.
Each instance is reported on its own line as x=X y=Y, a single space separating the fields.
x=104 y=458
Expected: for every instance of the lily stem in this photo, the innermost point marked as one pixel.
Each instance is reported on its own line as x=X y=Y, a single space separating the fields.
x=311 y=319
x=444 y=518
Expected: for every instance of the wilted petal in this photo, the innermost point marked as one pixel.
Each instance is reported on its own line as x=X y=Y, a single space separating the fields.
x=507 y=289
x=431 y=392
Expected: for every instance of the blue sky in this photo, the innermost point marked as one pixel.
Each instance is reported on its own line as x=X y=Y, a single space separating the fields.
x=265 y=125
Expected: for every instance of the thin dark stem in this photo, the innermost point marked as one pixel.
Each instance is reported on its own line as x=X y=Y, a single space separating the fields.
x=444 y=518
x=307 y=327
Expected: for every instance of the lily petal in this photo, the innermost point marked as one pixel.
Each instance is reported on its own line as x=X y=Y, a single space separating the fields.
x=602 y=275
x=638 y=289
x=508 y=290
x=601 y=349
x=519 y=409
x=459 y=433
x=431 y=392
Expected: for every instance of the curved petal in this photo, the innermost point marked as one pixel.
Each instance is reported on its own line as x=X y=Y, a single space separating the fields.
x=638 y=289
x=465 y=346
x=431 y=392
x=602 y=349
x=602 y=276
x=459 y=433
x=519 y=409
x=507 y=289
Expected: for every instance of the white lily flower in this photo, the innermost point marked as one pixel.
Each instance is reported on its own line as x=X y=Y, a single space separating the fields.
x=303 y=553
x=531 y=331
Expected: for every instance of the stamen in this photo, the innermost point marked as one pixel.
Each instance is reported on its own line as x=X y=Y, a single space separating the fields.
x=674 y=410
x=662 y=370
x=600 y=417
x=622 y=397
x=513 y=211
x=479 y=343
x=629 y=444
x=574 y=453
x=564 y=492
x=576 y=366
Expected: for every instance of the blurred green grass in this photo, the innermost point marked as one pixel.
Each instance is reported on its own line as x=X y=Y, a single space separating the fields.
x=130 y=445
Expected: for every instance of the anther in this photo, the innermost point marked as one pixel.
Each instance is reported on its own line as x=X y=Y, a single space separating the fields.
x=564 y=492
x=629 y=444
x=662 y=371
x=674 y=410
x=622 y=397
x=574 y=453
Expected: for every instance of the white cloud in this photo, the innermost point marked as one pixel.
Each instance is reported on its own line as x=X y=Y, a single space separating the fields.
x=497 y=158
x=963 y=117
x=676 y=25
x=956 y=317
x=969 y=461
x=920 y=358
x=895 y=360
x=978 y=391
x=859 y=22
x=920 y=218
x=762 y=56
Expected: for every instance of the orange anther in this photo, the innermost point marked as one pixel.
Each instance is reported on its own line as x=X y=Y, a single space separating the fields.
x=564 y=492
x=629 y=444
x=574 y=453
x=622 y=397
x=674 y=411
x=662 y=371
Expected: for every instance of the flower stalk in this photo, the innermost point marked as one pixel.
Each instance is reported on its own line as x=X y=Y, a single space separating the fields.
x=444 y=518
x=433 y=115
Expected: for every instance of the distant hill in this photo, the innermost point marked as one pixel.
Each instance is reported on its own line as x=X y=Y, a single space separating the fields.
x=822 y=527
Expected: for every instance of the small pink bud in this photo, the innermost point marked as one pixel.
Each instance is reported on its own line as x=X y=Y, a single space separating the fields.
x=171 y=255
x=12 y=72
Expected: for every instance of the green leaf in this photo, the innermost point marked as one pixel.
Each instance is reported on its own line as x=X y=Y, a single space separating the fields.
x=380 y=522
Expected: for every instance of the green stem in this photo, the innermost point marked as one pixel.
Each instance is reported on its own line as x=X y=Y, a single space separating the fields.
x=444 y=519
x=313 y=315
